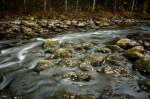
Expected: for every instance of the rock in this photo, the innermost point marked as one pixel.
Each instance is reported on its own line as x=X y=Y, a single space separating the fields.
x=137 y=52
x=69 y=62
x=67 y=95
x=43 y=65
x=29 y=23
x=103 y=50
x=117 y=71
x=86 y=66
x=123 y=96
x=117 y=58
x=62 y=53
x=127 y=43
x=49 y=44
x=114 y=48
x=1 y=78
x=106 y=93
x=43 y=23
x=4 y=94
x=142 y=66
x=80 y=77
x=29 y=31
x=93 y=60
x=144 y=84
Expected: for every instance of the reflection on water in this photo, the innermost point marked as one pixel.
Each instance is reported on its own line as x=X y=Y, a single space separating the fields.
x=19 y=57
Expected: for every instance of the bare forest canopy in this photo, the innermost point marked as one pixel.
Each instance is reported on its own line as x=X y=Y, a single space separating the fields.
x=54 y=7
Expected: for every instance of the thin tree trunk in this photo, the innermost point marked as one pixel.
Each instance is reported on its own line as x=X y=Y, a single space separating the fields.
x=133 y=3
x=115 y=4
x=105 y=5
x=45 y=2
x=25 y=8
x=66 y=5
x=77 y=5
x=94 y=2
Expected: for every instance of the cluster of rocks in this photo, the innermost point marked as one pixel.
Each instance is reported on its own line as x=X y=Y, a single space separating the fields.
x=26 y=27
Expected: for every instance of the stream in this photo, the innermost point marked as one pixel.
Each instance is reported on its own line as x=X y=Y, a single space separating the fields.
x=19 y=57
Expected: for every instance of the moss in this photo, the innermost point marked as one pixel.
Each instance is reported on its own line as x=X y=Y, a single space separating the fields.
x=142 y=66
x=49 y=44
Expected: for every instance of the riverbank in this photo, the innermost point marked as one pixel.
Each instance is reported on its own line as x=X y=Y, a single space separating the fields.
x=29 y=26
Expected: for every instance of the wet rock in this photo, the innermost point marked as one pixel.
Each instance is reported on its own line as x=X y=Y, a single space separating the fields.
x=93 y=60
x=29 y=31
x=80 y=77
x=68 y=44
x=49 y=44
x=137 y=52
x=103 y=50
x=67 y=95
x=127 y=43
x=86 y=66
x=117 y=58
x=117 y=71
x=1 y=78
x=142 y=66
x=43 y=65
x=42 y=23
x=69 y=62
x=144 y=84
x=123 y=96
x=147 y=43
x=114 y=48
x=9 y=95
x=106 y=93
x=62 y=53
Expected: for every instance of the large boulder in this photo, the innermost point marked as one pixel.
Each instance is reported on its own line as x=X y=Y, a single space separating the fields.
x=42 y=65
x=49 y=44
x=143 y=66
x=93 y=60
x=62 y=53
x=137 y=52
x=127 y=43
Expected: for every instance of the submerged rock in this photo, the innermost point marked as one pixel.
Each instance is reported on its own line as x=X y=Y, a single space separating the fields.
x=62 y=53
x=144 y=84
x=93 y=60
x=43 y=65
x=127 y=43
x=67 y=95
x=106 y=93
x=123 y=96
x=1 y=78
x=142 y=66
x=118 y=71
x=9 y=95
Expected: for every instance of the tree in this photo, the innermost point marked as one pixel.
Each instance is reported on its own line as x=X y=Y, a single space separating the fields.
x=133 y=3
x=25 y=7
x=45 y=3
x=94 y=2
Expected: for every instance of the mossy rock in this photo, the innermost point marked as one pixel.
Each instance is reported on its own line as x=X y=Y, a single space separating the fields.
x=93 y=60
x=69 y=62
x=62 y=53
x=48 y=44
x=144 y=84
x=142 y=66
x=126 y=43
x=135 y=53
x=29 y=23
x=103 y=50
x=29 y=31
x=114 y=48
x=67 y=95
x=42 y=65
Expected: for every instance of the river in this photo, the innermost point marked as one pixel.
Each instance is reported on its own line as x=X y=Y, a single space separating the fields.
x=19 y=57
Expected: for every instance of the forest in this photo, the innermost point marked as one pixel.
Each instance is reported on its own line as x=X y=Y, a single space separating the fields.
x=124 y=8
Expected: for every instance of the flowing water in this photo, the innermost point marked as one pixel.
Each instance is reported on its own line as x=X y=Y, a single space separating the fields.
x=19 y=57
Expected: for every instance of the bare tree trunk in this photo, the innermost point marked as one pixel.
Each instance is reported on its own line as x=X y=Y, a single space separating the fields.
x=25 y=8
x=115 y=4
x=105 y=5
x=94 y=2
x=66 y=5
x=133 y=3
x=77 y=5
x=45 y=2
